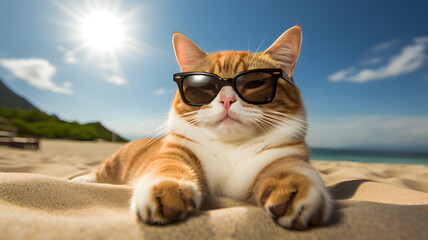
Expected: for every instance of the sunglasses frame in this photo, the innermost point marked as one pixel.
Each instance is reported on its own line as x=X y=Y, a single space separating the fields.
x=277 y=73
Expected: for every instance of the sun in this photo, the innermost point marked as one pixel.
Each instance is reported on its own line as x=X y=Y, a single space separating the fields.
x=102 y=31
x=102 y=34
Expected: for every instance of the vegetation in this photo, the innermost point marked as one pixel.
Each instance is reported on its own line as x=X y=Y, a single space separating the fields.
x=37 y=123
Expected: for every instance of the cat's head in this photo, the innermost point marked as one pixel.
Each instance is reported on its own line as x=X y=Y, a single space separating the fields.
x=228 y=117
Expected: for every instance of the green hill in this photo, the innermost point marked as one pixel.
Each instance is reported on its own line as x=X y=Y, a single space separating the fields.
x=31 y=121
x=9 y=99
x=37 y=123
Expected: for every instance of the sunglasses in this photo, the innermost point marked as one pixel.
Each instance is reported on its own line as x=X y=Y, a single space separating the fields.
x=256 y=86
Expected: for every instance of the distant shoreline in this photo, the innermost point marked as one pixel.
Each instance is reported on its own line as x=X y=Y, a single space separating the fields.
x=366 y=156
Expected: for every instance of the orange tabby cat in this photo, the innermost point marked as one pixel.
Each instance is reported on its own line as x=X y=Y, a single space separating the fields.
x=227 y=147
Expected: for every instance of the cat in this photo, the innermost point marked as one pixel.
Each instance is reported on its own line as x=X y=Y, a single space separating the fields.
x=227 y=147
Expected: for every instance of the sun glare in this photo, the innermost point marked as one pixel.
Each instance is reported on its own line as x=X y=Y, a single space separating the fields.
x=103 y=31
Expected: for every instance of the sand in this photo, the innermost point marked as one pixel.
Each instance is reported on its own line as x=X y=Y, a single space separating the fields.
x=57 y=158
x=37 y=201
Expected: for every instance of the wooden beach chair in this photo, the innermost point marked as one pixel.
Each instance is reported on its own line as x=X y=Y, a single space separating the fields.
x=9 y=137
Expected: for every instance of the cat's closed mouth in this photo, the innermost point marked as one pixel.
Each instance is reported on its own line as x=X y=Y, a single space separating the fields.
x=228 y=120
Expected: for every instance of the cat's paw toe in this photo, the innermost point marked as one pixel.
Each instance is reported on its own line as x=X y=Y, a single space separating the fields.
x=294 y=201
x=90 y=178
x=160 y=200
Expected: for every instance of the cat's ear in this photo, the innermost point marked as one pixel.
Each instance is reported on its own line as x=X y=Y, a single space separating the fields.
x=186 y=51
x=285 y=50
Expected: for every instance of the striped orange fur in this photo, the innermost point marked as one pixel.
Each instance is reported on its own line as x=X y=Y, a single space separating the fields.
x=250 y=152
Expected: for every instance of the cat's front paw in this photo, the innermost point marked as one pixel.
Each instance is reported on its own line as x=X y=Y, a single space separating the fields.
x=295 y=201
x=162 y=200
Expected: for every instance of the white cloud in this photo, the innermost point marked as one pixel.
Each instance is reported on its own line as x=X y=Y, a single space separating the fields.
x=421 y=40
x=371 y=131
x=160 y=91
x=60 y=48
x=112 y=71
x=340 y=75
x=114 y=79
x=385 y=45
x=110 y=65
x=67 y=84
x=411 y=58
x=70 y=57
x=371 y=61
x=37 y=72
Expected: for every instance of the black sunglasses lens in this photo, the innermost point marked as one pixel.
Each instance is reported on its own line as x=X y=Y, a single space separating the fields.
x=200 y=89
x=256 y=87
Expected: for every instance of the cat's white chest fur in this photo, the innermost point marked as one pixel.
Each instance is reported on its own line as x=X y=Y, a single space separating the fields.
x=226 y=167
x=231 y=169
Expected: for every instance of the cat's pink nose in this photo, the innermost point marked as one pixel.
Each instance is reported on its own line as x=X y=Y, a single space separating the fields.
x=227 y=101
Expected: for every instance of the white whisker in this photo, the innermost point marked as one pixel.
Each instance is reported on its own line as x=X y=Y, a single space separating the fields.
x=151 y=120
x=294 y=135
x=257 y=50
x=285 y=120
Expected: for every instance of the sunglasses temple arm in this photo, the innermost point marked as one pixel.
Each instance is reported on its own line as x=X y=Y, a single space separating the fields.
x=285 y=76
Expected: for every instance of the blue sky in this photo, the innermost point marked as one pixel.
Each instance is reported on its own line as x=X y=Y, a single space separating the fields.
x=362 y=68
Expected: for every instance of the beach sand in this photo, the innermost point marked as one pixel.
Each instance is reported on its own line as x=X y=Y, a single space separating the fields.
x=37 y=201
